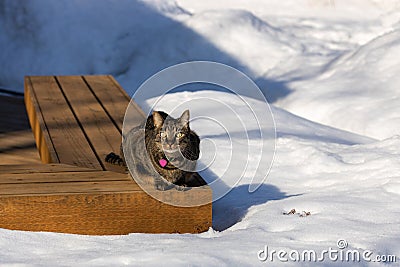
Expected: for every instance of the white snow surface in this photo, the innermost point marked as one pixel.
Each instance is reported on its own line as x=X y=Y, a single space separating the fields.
x=330 y=70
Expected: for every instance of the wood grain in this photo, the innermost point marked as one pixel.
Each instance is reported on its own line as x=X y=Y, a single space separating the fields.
x=61 y=177
x=17 y=144
x=67 y=187
x=100 y=214
x=73 y=202
x=59 y=125
x=40 y=168
x=42 y=137
x=76 y=121
x=97 y=126
x=113 y=99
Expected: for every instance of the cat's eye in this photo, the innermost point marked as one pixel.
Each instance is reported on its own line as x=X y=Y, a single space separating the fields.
x=163 y=134
x=179 y=135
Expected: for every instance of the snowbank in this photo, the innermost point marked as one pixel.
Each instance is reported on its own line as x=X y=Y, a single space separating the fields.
x=348 y=183
x=332 y=62
x=358 y=91
x=321 y=60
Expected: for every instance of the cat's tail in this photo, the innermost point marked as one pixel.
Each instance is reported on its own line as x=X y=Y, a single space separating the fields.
x=114 y=159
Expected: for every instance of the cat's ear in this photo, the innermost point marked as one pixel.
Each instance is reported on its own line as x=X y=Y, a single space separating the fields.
x=184 y=119
x=157 y=119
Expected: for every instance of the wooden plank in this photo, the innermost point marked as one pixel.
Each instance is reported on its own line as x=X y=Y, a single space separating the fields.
x=138 y=110
x=18 y=147
x=190 y=198
x=88 y=181
x=102 y=134
x=137 y=114
x=13 y=115
x=40 y=168
x=113 y=98
x=67 y=187
x=79 y=200
x=68 y=140
x=43 y=141
x=62 y=177
x=16 y=140
x=17 y=144
x=101 y=214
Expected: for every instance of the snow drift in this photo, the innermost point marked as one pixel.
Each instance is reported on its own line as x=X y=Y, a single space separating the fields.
x=329 y=62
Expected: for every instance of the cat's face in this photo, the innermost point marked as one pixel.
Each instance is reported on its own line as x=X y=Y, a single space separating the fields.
x=172 y=134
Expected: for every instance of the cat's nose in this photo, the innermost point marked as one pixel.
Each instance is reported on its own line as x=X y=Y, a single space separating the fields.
x=169 y=145
x=170 y=142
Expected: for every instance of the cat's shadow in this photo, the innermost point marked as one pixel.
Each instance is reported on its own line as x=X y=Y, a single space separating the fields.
x=233 y=207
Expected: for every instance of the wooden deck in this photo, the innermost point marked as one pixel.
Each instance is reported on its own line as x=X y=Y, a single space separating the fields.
x=17 y=145
x=77 y=121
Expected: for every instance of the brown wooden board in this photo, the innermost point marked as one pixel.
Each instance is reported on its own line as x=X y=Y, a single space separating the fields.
x=76 y=121
x=91 y=202
x=100 y=131
x=100 y=214
x=62 y=177
x=63 y=137
x=113 y=98
x=43 y=141
x=42 y=168
x=18 y=147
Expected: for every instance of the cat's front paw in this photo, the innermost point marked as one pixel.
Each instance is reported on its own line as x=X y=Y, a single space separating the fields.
x=182 y=188
x=162 y=186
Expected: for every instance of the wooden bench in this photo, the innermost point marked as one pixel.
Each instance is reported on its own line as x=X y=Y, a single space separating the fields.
x=77 y=121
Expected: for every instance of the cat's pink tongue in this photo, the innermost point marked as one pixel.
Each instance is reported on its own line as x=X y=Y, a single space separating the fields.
x=163 y=162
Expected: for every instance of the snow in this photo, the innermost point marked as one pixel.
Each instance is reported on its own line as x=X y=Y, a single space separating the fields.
x=362 y=82
x=330 y=70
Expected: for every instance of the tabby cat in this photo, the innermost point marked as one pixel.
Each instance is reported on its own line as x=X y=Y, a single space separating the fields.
x=162 y=151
